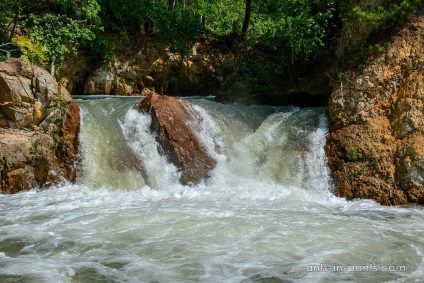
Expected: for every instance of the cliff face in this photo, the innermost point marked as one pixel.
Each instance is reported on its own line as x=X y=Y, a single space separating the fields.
x=147 y=65
x=39 y=125
x=230 y=70
x=375 y=148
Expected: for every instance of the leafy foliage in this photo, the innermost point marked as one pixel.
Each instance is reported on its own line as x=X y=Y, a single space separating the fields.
x=302 y=24
x=177 y=25
x=32 y=52
x=223 y=16
x=300 y=29
x=386 y=16
x=50 y=29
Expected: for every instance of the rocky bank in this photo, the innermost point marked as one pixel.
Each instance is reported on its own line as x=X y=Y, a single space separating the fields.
x=375 y=147
x=39 y=126
x=232 y=71
x=148 y=65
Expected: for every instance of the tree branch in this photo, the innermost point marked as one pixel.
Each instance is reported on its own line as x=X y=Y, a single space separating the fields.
x=6 y=45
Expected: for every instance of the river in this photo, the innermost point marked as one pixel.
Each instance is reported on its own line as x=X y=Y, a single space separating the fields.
x=266 y=214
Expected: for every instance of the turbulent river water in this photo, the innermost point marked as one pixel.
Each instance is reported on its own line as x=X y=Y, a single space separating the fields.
x=266 y=214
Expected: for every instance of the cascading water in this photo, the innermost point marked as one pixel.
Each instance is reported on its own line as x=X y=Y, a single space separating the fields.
x=266 y=214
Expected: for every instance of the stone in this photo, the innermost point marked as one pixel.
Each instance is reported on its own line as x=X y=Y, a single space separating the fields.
x=38 y=130
x=17 y=66
x=69 y=141
x=171 y=119
x=101 y=81
x=376 y=122
x=15 y=89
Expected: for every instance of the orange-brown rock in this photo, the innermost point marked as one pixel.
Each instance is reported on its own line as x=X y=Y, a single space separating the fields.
x=39 y=126
x=68 y=144
x=375 y=148
x=171 y=119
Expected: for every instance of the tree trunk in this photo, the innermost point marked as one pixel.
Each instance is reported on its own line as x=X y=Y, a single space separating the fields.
x=171 y=4
x=12 y=31
x=52 y=66
x=203 y=21
x=246 y=19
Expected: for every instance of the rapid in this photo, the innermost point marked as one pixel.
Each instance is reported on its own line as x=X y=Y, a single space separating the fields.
x=266 y=214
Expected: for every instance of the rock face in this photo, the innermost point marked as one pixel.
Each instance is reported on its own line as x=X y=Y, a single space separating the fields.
x=212 y=68
x=148 y=65
x=39 y=125
x=171 y=119
x=375 y=147
x=101 y=80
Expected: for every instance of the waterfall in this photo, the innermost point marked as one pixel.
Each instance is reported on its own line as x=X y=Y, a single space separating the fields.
x=282 y=145
x=265 y=214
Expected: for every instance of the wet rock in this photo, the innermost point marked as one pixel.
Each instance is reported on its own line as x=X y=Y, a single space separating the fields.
x=171 y=121
x=375 y=146
x=39 y=125
x=101 y=81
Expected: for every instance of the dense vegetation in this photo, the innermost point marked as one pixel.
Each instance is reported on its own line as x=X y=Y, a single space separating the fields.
x=46 y=31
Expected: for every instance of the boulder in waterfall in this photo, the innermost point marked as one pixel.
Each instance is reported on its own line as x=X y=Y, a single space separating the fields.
x=173 y=121
x=39 y=126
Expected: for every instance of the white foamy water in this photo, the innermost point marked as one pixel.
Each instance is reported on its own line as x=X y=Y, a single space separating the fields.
x=265 y=215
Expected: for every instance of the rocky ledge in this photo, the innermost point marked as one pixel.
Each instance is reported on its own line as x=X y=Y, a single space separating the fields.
x=39 y=125
x=174 y=122
x=375 y=148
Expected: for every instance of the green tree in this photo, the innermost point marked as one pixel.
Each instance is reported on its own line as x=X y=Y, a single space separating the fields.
x=11 y=13
x=387 y=15
x=54 y=28
x=174 y=21
x=246 y=20
x=302 y=25
x=223 y=17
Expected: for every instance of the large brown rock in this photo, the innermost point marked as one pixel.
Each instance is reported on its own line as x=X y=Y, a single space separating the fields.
x=39 y=126
x=172 y=121
x=375 y=146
